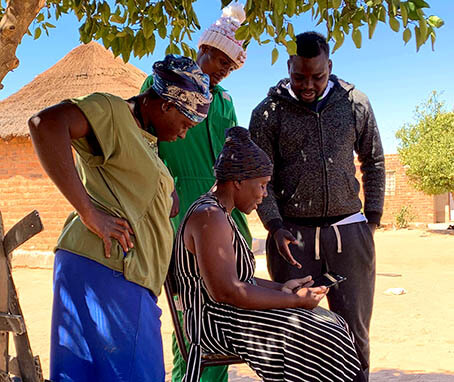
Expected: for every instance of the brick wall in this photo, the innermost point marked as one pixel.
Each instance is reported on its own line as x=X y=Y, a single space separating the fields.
x=24 y=187
x=399 y=193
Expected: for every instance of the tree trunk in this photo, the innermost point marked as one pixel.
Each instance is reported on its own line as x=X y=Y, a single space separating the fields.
x=13 y=25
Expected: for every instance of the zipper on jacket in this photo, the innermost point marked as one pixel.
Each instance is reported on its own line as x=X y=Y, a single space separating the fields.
x=325 y=172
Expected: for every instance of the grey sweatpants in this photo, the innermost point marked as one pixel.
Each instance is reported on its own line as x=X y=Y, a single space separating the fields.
x=353 y=298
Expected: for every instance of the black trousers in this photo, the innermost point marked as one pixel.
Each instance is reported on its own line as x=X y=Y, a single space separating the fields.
x=353 y=298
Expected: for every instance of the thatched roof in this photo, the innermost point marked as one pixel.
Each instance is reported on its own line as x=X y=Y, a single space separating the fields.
x=86 y=69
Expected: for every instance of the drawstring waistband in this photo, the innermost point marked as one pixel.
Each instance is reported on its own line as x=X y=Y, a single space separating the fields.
x=350 y=219
x=317 y=241
x=338 y=237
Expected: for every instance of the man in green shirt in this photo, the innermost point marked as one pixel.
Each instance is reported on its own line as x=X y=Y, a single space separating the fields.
x=191 y=160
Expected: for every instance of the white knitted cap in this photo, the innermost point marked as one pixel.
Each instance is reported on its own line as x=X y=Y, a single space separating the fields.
x=221 y=34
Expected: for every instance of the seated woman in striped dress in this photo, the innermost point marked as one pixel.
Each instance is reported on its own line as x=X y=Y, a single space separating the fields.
x=276 y=328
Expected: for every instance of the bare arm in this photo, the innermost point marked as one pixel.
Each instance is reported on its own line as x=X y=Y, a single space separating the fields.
x=209 y=236
x=268 y=284
x=51 y=131
x=287 y=287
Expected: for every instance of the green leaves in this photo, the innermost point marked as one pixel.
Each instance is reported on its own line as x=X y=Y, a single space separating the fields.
x=148 y=27
x=104 y=9
x=274 y=56
x=291 y=7
x=339 y=38
x=426 y=148
x=406 y=35
x=291 y=48
x=404 y=14
x=337 y=3
x=173 y=49
x=279 y=6
x=421 y=4
x=186 y=49
x=357 y=38
x=132 y=26
x=435 y=21
x=270 y=30
x=150 y=44
x=242 y=33
x=37 y=33
x=394 y=24
x=373 y=20
x=162 y=31
x=139 y=45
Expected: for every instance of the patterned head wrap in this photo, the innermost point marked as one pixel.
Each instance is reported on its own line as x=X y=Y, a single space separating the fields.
x=180 y=80
x=241 y=158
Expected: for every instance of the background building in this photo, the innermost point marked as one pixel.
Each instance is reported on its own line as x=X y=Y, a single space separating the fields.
x=23 y=184
x=399 y=193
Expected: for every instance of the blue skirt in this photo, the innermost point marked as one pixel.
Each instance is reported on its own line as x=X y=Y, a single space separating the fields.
x=104 y=328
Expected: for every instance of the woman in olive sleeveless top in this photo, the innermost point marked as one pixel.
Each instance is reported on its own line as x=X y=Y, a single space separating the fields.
x=113 y=254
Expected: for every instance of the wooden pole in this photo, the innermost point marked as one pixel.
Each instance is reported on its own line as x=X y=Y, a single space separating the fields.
x=4 y=303
x=9 y=302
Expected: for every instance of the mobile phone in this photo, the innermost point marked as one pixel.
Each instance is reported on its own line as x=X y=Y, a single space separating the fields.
x=328 y=279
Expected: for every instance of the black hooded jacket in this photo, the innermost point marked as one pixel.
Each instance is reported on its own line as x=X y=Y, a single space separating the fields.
x=313 y=155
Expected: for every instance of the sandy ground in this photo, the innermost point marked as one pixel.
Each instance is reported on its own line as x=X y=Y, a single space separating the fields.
x=412 y=335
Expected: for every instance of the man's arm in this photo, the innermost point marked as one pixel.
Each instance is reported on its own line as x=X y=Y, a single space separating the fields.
x=370 y=154
x=261 y=128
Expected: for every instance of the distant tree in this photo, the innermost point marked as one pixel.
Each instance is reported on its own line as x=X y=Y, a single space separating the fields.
x=426 y=148
x=132 y=26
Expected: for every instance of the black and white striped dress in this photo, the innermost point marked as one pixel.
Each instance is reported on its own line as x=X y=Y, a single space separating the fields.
x=278 y=344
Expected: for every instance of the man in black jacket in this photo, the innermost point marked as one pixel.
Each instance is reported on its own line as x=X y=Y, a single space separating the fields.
x=310 y=125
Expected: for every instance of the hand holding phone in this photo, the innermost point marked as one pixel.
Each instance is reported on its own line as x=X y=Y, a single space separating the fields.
x=328 y=279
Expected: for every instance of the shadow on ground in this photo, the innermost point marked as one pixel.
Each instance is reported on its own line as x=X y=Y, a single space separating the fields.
x=244 y=374
x=391 y=375
x=442 y=231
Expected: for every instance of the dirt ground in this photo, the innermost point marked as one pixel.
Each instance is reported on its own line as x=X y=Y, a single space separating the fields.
x=412 y=334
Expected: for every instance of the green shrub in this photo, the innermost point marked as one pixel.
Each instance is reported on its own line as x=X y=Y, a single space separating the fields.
x=404 y=217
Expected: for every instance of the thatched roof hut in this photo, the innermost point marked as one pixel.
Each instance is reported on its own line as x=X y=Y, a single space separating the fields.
x=23 y=184
x=86 y=69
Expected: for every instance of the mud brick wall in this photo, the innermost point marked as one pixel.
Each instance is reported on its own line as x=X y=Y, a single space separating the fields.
x=25 y=187
x=399 y=193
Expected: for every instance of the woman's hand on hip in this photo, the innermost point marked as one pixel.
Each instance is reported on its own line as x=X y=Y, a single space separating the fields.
x=106 y=227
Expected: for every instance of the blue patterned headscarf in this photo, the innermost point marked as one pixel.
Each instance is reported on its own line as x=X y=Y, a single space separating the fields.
x=181 y=81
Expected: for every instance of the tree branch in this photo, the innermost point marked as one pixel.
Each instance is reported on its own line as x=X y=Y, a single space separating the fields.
x=13 y=25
